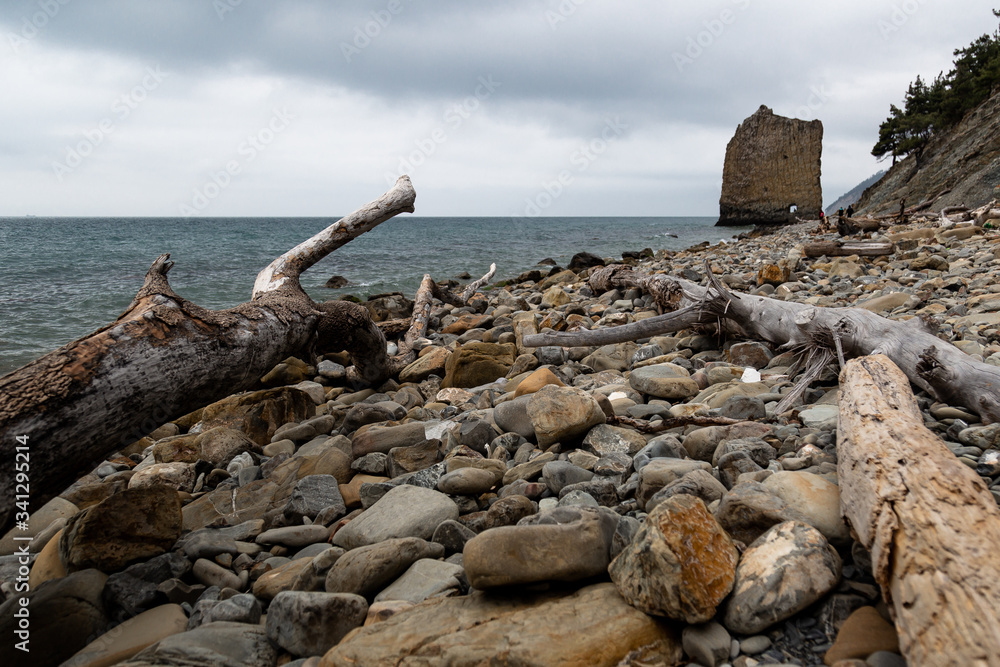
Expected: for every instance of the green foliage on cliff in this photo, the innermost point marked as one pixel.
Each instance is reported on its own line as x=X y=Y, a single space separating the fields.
x=929 y=108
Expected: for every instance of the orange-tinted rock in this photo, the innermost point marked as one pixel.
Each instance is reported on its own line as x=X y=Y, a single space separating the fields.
x=863 y=633
x=681 y=563
x=536 y=381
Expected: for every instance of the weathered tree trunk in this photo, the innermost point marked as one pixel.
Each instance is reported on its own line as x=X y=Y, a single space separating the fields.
x=845 y=248
x=931 y=525
x=848 y=226
x=820 y=334
x=165 y=356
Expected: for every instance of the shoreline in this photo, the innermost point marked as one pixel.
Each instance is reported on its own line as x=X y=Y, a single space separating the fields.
x=407 y=510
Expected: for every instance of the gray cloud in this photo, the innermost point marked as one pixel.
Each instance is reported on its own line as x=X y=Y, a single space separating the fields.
x=673 y=70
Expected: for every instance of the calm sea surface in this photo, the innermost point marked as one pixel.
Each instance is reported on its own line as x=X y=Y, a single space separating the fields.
x=61 y=278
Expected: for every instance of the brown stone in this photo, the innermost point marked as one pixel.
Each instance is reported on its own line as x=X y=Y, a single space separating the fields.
x=432 y=360
x=133 y=525
x=529 y=630
x=258 y=414
x=680 y=564
x=477 y=363
x=863 y=633
x=772 y=163
x=536 y=381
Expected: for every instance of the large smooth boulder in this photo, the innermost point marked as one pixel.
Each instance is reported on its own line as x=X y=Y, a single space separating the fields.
x=384 y=438
x=404 y=511
x=563 y=544
x=563 y=414
x=787 y=569
x=532 y=630
x=129 y=526
x=258 y=414
x=681 y=564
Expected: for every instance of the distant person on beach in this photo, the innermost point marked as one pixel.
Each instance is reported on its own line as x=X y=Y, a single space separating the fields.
x=902 y=210
x=850 y=210
x=840 y=212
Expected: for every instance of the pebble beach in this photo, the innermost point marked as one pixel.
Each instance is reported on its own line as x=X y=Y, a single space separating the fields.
x=497 y=504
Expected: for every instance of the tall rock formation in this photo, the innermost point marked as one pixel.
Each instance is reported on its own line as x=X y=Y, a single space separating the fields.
x=964 y=160
x=772 y=169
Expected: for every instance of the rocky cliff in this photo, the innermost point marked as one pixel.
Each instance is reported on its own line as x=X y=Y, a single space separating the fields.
x=772 y=164
x=964 y=160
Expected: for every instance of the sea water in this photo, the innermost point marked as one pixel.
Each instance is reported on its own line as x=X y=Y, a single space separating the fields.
x=62 y=278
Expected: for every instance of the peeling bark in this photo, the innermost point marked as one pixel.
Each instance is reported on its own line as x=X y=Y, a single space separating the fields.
x=931 y=525
x=845 y=248
x=165 y=356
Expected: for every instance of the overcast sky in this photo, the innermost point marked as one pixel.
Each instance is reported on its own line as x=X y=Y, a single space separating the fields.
x=538 y=107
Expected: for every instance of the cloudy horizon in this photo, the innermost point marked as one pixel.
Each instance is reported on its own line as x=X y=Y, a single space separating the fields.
x=526 y=107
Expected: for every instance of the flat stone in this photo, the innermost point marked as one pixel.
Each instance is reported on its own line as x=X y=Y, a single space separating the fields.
x=531 y=628
x=295 y=536
x=466 y=481
x=368 y=569
x=432 y=360
x=563 y=414
x=564 y=544
x=822 y=417
x=403 y=460
x=424 y=579
x=125 y=640
x=681 y=564
x=536 y=380
x=126 y=527
x=383 y=439
x=668 y=381
x=405 y=511
x=863 y=633
x=784 y=571
x=605 y=439
x=220 y=643
x=307 y=623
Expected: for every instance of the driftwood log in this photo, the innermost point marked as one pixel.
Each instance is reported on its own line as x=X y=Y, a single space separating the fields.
x=820 y=335
x=848 y=226
x=847 y=248
x=165 y=356
x=931 y=525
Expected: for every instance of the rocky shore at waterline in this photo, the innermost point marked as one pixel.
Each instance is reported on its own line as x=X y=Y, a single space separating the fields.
x=497 y=504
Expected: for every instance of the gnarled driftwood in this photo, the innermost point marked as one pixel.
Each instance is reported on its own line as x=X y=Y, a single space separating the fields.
x=931 y=525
